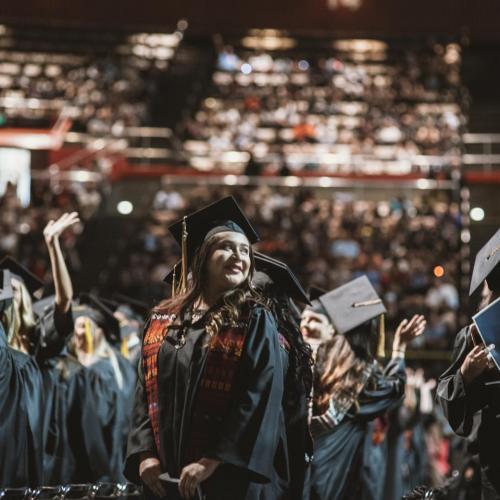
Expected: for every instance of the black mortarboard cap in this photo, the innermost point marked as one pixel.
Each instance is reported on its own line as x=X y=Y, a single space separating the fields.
x=89 y=305
x=6 y=293
x=486 y=265
x=20 y=272
x=352 y=304
x=315 y=292
x=282 y=276
x=139 y=308
x=223 y=215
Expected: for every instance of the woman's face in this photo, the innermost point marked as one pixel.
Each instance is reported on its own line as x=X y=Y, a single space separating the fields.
x=80 y=338
x=228 y=264
x=315 y=326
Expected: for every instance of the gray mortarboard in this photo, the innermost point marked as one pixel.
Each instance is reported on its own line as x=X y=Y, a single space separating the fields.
x=6 y=292
x=486 y=265
x=23 y=274
x=89 y=305
x=282 y=276
x=353 y=304
x=192 y=230
x=42 y=305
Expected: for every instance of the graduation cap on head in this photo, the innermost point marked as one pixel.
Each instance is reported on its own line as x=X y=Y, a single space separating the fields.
x=315 y=292
x=282 y=276
x=192 y=230
x=353 y=304
x=138 y=308
x=90 y=306
x=6 y=292
x=21 y=273
x=486 y=265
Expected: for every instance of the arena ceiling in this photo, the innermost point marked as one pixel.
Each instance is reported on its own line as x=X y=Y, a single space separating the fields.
x=477 y=21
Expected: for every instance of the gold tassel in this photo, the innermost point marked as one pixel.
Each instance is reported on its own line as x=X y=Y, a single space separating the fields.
x=173 y=282
x=381 y=338
x=88 y=337
x=124 y=349
x=184 y=272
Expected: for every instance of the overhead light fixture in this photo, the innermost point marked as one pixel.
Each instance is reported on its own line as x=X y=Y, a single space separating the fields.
x=360 y=45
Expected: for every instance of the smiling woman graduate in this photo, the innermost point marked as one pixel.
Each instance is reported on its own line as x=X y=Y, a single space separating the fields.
x=209 y=400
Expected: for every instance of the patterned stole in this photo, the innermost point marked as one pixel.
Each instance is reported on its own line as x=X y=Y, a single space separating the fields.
x=216 y=386
x=153 y=340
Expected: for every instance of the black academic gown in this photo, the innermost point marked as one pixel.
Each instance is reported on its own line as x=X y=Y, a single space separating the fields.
x=460 y=404
x=337 y=470
x=21 y=418
x=407 y=460
x=250 y=440
x=23 y=414
x=75 y=449
x=114 y=409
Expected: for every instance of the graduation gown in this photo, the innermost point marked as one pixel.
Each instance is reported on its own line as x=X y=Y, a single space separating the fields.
x=338 y=470
x=463 y=405
x=21 y=418
x=250 y=440
x=75 y=449
x=407 y=459
x=113 y=409
x=23 y=415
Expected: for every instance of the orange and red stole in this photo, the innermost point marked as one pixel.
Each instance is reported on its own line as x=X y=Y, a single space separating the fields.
x=213 y=396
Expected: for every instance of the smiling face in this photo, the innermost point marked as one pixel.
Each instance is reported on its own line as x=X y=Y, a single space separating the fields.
x=228 y=263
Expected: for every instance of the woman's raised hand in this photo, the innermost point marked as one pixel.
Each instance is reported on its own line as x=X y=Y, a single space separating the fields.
x=54 y=229
x=408 y=330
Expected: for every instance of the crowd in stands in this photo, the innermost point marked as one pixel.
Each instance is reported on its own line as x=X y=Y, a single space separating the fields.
x=102 y=81
x=327 y=111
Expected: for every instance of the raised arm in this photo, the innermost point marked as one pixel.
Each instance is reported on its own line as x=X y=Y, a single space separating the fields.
x=60 y=274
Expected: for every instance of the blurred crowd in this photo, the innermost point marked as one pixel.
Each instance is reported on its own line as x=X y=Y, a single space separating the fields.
x=398 y=111
x=103 y=81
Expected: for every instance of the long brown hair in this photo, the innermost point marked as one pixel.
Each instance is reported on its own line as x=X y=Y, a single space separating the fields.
x=338 y=374
x=231 y=304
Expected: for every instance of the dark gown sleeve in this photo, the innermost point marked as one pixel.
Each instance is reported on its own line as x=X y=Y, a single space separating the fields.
x=21 y=416
x=458 y=402
x=52 y=331
x=140 y=437
x=251 y=430
x=384 y=392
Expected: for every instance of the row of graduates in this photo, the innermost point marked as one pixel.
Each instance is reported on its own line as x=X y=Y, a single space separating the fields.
x=223 y=400
x=65 y=390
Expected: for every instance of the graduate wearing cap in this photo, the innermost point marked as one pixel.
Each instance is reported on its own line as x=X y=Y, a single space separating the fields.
x=465 y=390
x=29 y=341
x=96 y=344
x=351 y=390
x=209 y=403
x=279 y=285
x=315 y=325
